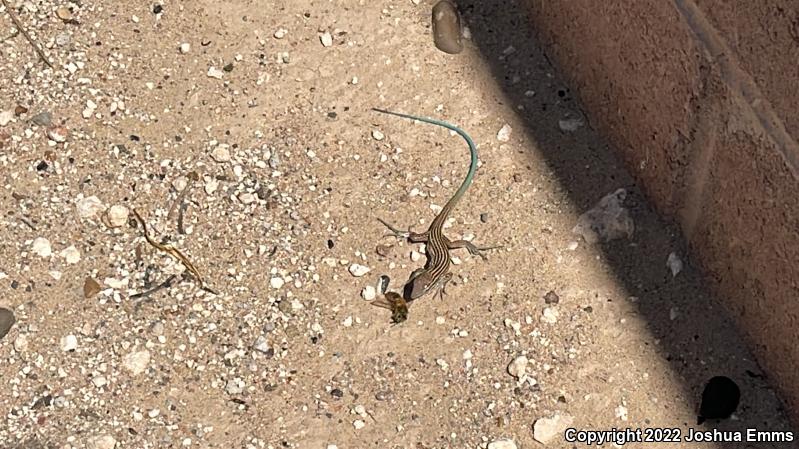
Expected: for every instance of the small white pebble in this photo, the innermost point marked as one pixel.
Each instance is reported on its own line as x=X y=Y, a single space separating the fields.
x=213 y=72
x=281 y=33
x=504 y=133
x=69 y=343
x=377 y=135
x=102 y=442
x=221 y=154
x=550 y=315
x=185 y=47
x=621 y=412
x=674 y=263
x=234 y=386
x=502 y=444
x=41 y=247
x=71 y=255
x=515 y=325
x=89 y=207
x=276 y=282
x=570 y=125
x=358 y=424
x=118 y=215
x=246 y=198
x=369 y=293
x=518 y=367
x=358 y=270
x=6 y=117
x=211 y=186
x=326 y=39
x=57 y=133
x=21 y=343
x=136 y=362
x=261 y=345
x=546 y=430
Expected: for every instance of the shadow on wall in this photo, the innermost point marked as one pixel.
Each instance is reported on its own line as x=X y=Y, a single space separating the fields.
x=703 y=342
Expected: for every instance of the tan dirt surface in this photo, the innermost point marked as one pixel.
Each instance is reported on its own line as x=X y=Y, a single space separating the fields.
x=292 y=171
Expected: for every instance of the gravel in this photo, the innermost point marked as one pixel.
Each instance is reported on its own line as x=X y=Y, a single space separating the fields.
x=246 y=153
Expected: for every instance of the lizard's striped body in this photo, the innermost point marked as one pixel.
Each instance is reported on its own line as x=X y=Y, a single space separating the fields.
x=435 y=274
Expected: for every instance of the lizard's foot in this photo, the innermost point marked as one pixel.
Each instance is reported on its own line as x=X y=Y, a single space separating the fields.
x=413 y=237
x=442 y=286
x=442 y=291
x=396 y=232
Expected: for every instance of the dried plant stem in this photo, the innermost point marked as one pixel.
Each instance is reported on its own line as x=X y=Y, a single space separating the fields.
x=28 y=37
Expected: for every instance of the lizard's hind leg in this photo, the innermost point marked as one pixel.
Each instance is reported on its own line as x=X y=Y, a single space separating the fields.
x=473 y=250
x=413 y=237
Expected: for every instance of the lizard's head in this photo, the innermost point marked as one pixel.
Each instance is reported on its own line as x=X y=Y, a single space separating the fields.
x=422 y=282
x=419 y=284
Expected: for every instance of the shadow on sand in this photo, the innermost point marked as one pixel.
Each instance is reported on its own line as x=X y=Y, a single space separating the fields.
x=704 y=342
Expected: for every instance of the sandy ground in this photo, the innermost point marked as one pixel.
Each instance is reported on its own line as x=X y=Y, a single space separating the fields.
x=269 y=133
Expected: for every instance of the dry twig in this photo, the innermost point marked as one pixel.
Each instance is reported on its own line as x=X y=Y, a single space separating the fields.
x=169 y=249
x=167 y=283
x=18 y=24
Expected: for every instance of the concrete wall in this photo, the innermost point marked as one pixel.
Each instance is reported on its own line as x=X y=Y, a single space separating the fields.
x=702 y=98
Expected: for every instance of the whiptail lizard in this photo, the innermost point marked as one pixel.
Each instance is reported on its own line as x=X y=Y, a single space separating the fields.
x=435 y=275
